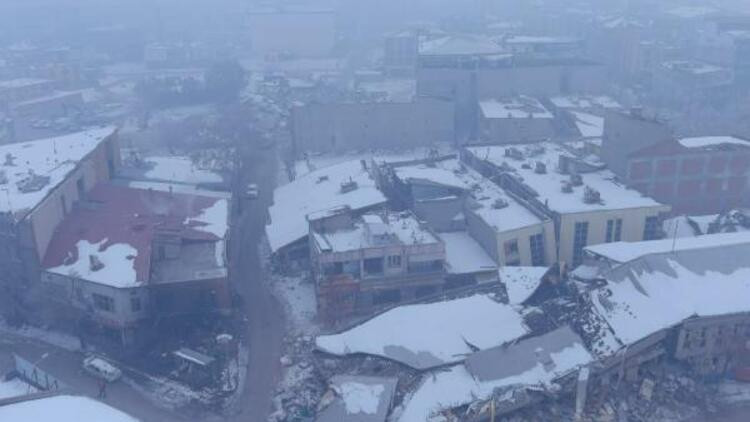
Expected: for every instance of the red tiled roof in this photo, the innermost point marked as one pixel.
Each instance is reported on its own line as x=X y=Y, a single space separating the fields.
x=126 y=215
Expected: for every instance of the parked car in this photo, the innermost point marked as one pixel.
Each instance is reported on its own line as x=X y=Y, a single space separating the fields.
x=101 y=368
x=252 y=191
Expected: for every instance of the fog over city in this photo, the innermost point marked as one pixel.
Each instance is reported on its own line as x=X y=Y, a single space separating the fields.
x=375 y=210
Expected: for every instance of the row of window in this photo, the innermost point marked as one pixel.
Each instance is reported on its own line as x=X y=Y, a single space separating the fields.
x=691 y=188
x=690 y=166
x=107 y=304
x=536 y=247
x=651 y=231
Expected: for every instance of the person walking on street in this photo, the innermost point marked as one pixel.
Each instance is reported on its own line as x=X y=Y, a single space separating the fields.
x=102 y=389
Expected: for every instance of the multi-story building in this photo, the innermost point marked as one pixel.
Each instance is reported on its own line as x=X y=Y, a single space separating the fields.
x=699 y=174
x=41 y=183
x=360 y=264
x=127 y=256
x=583 y=199
x=450 y=196
x=382 y=114
x=707 y=174
x=401 y=51
x=466 y=70
x=514 y=120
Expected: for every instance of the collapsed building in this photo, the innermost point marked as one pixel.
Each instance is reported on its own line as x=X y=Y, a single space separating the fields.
x=650 y=305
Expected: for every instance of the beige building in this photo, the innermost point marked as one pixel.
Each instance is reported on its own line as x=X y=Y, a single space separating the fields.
x=43 y=181
x=587 y=205
x=451 y=196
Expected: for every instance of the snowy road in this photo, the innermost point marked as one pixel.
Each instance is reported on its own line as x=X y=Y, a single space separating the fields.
x=266 y=325
x=66 y=366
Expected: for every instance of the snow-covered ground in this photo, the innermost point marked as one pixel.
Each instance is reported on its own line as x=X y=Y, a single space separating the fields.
x=15 y=387
x=55 y=338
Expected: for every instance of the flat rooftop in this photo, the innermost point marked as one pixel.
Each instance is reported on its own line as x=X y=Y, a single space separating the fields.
x=29 y=171
x=520 y=107
x=319 y=190
x=374 y=231
x=117 y=226
x=492 y=204
x=169 y=169
x=548 y=185
x=585 y=102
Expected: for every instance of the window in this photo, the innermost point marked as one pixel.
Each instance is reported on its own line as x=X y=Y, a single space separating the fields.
x=640 y=170
x=536 y=245
x=386 y=296
x=580 y=238
x=64 y=205
x=666 y=167
x=511 y=248
x=373 y=266
x=81 y=187
x=614 y=230
x=135 y=304
x=103 y=303
x=425 y=266
x=651 y=229
x=394 y=261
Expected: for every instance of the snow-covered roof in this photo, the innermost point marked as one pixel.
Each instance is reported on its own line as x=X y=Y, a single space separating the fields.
x=711 y=141
x=22 y=82
x=658 y=291
x=178 y=169
x=627 y=251
x=391 y=90
x=464 y=255
x=375 y=231
x=31 y=170
x=590 y=125
x=460 y=45
x=539 y=39
x=520 y=107
x=691 y=12
x=519 y=365
x=498 y=209
x=585 y=102
x=432 y=334
x=359 y=399
x=112 y=243
x=548 y=185
x=692 y=67
x=521 y=282
x=316 y=191
x=62 y=408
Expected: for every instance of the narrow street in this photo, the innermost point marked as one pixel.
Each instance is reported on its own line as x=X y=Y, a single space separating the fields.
x=66 y=366
x=265 y=325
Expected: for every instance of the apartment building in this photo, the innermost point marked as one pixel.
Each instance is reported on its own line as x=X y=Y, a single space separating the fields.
x=706 y=174
x=515 y=119
x=364 y=263
x=450 y=196
x=584 y=200
x=42 y=182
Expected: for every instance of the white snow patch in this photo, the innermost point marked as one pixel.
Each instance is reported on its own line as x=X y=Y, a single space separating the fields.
x=455 y=386
x=212 y=219
x=63 y=408
x=55 y=338
x=464 y=255
x=521 y=282
x=360 y=398
x=15 y=387
x=179 y=169
x=431 y=334
x=705 y=141
x=118 y=259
